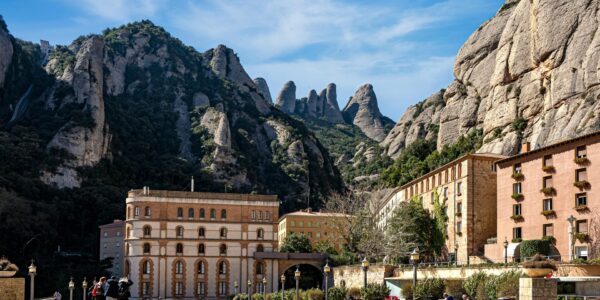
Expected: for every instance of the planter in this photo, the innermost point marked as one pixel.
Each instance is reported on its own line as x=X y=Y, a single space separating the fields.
x=537 y=273
x=582 y=237
x=548 y=213
x=518 y=176
x=581 y=160
x=583 y=184
x=517 y=240
x=581 y=208
x=548 y=191
x=7 y=273
x=517 y=218
x=517 y=196
x=548 y=169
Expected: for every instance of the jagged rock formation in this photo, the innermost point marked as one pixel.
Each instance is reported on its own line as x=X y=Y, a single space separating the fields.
x=528 y=74
x=362 y=110
x=322 y=106
x=172 y=112
x=263 y=88
x=6 y=51
x=286 y=100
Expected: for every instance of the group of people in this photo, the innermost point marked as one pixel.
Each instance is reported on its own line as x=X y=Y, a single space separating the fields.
x=111 y=289
x=449 y=297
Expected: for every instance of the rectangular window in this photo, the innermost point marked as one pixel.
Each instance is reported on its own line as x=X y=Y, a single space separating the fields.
x=293 y=224
x=581 y=152
x=581 y=199
x=318 y=235
x=453 y=174
x=309 y=224
x=146 y=288
x=581 y=175
x=516 y=209
x=582 y=252
x=548 y=230
x=136 y=211
x=446 y=176
x=459 y=207
x=445 y=192
x=200 y=288
x=459 y=170
x=253 y=215
x=547 y=183
x=179 y=288
x=547 y=161
x=260 y=214
x=517 y=188
x=547 y=204
x=222 y=288
x=517 y=233
x=268 y=215
x=582 y=226
x=458 y=227
x=517 y=168
x=459 y=188
x=427 y=184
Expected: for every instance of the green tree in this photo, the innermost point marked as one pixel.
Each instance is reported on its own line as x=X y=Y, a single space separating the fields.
x=296 y=243
x=409 y=227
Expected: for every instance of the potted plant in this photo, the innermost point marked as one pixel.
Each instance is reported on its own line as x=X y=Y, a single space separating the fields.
x=7 y=269
x=582 y=237
x=581 y=207
x=547 y=213
x=581 y=184
x=517 y=176
x=581 y=160
x=538 y=266
x=517 y=196
x=548 y=190
x=548 y=169
x=517 y=217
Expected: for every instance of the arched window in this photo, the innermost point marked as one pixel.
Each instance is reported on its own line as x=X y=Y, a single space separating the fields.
x=201 y=269
x=223 y=232
x=147 y=231
x=223 y=249
x=147 y=211
x=260 y=248
x=259 y=268
x=202 y=213
x=191 y=213
x=201 y=232
x=180 y=212
x=136 y=211
x=213 y=213
x=179 y=267
x=260 y=233
x=222 y=267
x=179 y=231
x=179 y=248
x=146 y=267
x=201 y=249
x=223 y=214
x=146 y=248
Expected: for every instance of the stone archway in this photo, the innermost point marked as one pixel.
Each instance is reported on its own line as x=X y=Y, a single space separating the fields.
x=311 y=276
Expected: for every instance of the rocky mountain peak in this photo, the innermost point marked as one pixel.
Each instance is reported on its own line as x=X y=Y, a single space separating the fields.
x=263 y=88
x=286 y=100
x=6 y=51
x=362 y=110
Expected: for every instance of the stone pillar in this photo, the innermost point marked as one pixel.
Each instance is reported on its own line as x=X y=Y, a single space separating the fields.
x=537 y=288
x=12 y=288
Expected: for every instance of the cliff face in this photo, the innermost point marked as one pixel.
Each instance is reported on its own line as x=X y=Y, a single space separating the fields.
x=6 y=51
x=362 y=110
x=529 y=74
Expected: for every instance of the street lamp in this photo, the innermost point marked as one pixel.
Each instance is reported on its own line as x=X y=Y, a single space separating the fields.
x=297 y=276
x=235 y=287
x=84 y=286
x=249 y=289
x=282 y=286
x=264 y=287
x=571 y=220
x=414 y=258
x=365 y=267
x=71 y=288
x=327 y=270
x=32 y=273
x=505 y=250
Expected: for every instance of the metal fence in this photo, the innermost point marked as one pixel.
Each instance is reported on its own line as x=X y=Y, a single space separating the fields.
x=577 y=297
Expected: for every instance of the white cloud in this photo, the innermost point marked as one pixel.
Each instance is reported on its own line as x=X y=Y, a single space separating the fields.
x=119 y=10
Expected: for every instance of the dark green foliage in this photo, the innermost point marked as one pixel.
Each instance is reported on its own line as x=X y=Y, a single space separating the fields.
x=491 y=287
x=440 y=221
x=421 y=157
x=411 y=226
x=295 y=242
x=529 y=248
x=375 y=292
x=429 y=288
x=337 y=293
x=519 y=124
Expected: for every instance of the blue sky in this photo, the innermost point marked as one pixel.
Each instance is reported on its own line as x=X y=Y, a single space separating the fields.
x=405 y=48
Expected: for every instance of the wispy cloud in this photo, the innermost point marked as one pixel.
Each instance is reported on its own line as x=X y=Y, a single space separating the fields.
x=119 y=10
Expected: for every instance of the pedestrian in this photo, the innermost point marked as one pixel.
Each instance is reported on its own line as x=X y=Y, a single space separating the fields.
x=448 y=297
x=124 y=285
x=57 y=295
x=465 y=297
x=112 y=289
x=99 y=288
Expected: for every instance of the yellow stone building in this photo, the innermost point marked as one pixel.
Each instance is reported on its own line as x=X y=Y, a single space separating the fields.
x=316 y=226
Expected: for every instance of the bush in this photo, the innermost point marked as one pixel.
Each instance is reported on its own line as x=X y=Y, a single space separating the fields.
x=407 y=291
x=337 y=293
x=353 y=292
x=257 y=297
x=429 y=288
x=530 y=248
x=375 y=292
x=454 y=288
x=312 y=294
x=503 y=285
x=539 y=262
x=473 y=283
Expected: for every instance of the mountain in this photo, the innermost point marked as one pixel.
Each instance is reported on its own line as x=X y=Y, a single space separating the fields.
x=362 y=110
x=529 y=74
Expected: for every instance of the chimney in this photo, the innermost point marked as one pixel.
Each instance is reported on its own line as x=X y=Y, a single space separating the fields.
x=525 y=147
x=192 y=184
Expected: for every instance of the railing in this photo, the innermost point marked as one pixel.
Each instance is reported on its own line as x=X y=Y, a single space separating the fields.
x=577 y=297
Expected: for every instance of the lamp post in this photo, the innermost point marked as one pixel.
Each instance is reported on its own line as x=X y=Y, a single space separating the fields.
x=84 y=286
x=249 y=289
x=235 y=287
x=505 y=250
x=71 y=288
x=264 y=287
x=282 y=286
x=327 y=270
x=571 y=220
x=365 y=267
x=414 y=258
x=32 y=273
x=297 y=277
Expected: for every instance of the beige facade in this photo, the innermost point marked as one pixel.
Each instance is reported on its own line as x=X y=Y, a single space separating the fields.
x=539 y=190
x=112 y=241
x=191 y=245
x=316 y=226
x=466 y=188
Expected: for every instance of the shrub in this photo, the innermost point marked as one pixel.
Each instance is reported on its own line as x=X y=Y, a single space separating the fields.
x=407 y=291
x=337 y=293
x=530 y=248
x=454 y=288
x=312 y=294
x=550 y=239
x=257 y=297
x=353 y=292
x=582 y=237
x=375 y=292
x=503 y=285
x=429 y=288
x=473 y=283
x=274 y=296
x=581 y=207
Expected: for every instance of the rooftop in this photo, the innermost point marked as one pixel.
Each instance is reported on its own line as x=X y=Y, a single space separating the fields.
x=310 y=213
x=147 y=192
x=115 y=223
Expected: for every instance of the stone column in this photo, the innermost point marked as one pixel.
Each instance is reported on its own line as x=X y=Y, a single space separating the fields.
x=537 y=288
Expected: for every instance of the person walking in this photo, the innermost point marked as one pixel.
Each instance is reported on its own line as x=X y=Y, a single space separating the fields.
x=112 y=289
x=124 y=285
x=99 y=288
x=57 y=295
x=448 y=297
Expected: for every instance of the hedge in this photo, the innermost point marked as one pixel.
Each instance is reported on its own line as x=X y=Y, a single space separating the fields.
x=530 y=248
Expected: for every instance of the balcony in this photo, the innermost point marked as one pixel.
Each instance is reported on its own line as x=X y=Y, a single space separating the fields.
x=548 y=213
x=517 y=196
x=517 y=218
x=582 y=237
x=548 y=191
x=548 y=169
x=581 y=160
x=582 y=184
x=517 y=176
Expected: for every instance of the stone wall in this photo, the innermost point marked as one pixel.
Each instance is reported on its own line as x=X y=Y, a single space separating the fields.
x=537 y=288
x=12 y=288
x=352 y=276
